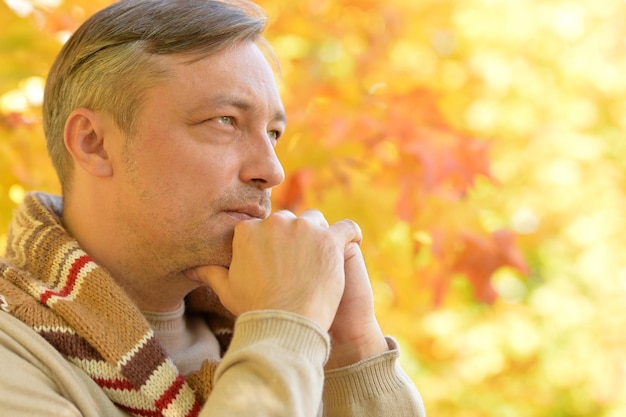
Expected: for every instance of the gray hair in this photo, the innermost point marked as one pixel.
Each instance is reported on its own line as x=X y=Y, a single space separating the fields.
x=108 y=63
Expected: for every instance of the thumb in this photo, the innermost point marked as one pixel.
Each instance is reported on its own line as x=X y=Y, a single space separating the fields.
x=213 y=275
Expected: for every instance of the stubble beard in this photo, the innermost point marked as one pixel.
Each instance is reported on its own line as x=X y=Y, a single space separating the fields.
x=212 y=246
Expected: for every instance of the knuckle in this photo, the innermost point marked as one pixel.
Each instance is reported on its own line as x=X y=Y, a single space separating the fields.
x=328 y=241
x=280 y=216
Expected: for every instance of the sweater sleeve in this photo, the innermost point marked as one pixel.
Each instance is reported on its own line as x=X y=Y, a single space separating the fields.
x=273 y=367
x=374 y=387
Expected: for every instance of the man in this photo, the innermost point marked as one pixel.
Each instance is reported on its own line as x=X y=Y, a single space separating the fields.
x=120 y=297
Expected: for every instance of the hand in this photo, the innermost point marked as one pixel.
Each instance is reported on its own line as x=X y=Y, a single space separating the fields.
x=355 y=332
x=285 y=262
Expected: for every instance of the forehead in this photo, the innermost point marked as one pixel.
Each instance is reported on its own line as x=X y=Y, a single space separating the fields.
x=240 y=72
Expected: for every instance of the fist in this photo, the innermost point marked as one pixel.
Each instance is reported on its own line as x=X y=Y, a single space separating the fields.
x=285 y=262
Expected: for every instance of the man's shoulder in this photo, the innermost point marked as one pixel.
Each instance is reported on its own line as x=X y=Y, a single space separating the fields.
x=42 y=381
x=17 y=336
x=24 y=351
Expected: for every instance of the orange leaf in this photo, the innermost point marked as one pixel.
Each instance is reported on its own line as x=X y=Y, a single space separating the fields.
x=480 y=256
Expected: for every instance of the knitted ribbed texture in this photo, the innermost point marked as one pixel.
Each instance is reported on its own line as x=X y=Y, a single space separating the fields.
x=302 y=339
x=49 y=283
x=381 y=379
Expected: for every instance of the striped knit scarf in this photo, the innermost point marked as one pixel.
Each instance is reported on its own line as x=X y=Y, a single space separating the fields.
x=49 y=283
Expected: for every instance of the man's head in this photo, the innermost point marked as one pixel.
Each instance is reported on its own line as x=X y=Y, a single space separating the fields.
x=109 y=62
x=166 y=114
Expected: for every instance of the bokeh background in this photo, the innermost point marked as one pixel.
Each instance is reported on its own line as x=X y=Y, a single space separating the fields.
x=479 y=144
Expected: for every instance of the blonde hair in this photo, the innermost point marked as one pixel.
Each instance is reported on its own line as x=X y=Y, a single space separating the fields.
x=109 y=62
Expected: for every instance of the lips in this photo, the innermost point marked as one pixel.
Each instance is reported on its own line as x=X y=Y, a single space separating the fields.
x=247 y=212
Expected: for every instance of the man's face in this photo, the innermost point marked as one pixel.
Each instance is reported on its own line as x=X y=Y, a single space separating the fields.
x=203 y=159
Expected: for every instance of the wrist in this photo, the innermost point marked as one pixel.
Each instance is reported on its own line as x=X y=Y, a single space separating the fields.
x=348 y=351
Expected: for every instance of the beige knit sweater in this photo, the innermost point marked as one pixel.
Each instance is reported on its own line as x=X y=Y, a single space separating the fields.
x=74 y=344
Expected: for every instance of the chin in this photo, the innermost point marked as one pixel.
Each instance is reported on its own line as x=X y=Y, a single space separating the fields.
x=220 y=257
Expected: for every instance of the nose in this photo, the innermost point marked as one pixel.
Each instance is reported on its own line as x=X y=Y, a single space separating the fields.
x=261 y=167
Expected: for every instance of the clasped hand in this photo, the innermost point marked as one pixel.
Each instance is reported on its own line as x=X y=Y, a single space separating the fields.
x=304 y=266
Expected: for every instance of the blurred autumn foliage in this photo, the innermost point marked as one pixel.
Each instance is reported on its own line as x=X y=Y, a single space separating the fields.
x=478 y=143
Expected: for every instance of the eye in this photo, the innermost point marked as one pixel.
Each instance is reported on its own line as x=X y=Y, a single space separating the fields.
x=274 y=134
x=225 y=120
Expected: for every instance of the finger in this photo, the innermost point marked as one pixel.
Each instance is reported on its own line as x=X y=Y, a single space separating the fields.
x=315 y=217
x=348 y=230
x=352 y=249
x=284 y=213
x=215 y=276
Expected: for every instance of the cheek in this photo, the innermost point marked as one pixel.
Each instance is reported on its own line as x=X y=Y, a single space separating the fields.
x=179 y=165
x=203 y=168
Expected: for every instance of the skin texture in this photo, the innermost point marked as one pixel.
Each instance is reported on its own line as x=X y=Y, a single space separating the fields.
x=186 y=202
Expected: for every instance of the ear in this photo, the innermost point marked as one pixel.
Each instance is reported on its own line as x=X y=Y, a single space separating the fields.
x=85 y=140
